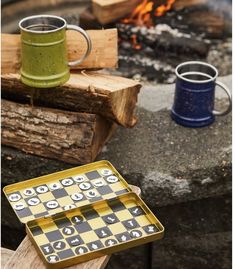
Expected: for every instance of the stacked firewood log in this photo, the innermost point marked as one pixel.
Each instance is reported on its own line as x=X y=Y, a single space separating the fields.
x=71 y=122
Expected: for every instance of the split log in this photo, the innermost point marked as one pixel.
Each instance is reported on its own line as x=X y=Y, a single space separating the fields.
x=107 y=11
x=72 y=137
x=181 y=4
x=104 y=52
x=110 y=96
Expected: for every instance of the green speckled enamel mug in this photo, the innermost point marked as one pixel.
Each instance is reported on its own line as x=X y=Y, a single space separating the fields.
x=43 y=51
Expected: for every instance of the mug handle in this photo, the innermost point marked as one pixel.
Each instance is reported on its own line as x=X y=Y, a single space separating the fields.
x=229 y=108
x=88 y=40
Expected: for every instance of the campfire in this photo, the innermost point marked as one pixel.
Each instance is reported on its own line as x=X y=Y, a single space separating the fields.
x=142 y=14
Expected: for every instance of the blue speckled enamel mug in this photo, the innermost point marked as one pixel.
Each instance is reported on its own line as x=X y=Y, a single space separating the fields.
x=195 y=94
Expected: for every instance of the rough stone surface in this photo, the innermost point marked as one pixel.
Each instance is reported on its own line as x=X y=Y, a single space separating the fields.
x=184 y=174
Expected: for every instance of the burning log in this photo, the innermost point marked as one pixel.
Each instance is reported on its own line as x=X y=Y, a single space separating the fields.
x=163 y=40
x=72 y=137
x=107 y=11
x=110 y=96
x=104 y=53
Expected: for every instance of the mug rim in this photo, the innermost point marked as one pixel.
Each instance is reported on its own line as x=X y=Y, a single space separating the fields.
x=192 y=80
x=42 y=16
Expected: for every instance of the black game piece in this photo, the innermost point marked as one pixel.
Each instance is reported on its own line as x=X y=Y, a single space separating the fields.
x=95 y=245
x=135 y=233
x=150 y=229
x=81 y=250
x=136 y=211
x=52 y=258
x=123 y=237
x=68 y=230
x=74 y=240
x=77 y=219
x=130 y=224
x=110 y=219
x=103 y=232
x=59 y=245
x=110 y=242
x=47 y=249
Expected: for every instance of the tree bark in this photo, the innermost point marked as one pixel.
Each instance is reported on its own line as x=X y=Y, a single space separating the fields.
x=71 y=137
x=110 y=96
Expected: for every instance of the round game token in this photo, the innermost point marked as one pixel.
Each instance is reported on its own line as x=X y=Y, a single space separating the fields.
x=59 y=245
x=110 y=242
x=79 y=178
x=52 y=204
x=81 y=250
x=67 y=182
x=91 y=194
x=77 y=219
x=19 y=206
x=135 y=234
x=150 y=229
x=33 y=201
x=52 y=258
x=42 y=189
x=68 y=230
x=85 y=186
x=77 y=196
x=99 y=182
x=106 y=172
x=29 y=192
x=14 y=197
x=67 y=207
x=112 y=179
x=54 y=186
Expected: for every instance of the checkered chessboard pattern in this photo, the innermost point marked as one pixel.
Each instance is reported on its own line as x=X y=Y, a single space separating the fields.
x=96 y=227
x=54 y=196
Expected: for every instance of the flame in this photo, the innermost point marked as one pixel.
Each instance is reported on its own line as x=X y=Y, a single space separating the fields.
x=142 y=13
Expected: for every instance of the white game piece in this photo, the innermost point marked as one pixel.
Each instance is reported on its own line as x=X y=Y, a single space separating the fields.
x=112 y=179
x=79 y=178
x=33 y=201
x=52 y=204
x=42 y=189
x=67 y=182
x=19 y=206
x=85 y=186
x=55 y=186
x=98 y=182
x=91 y=194
x=14 y=197
x=29 y=192
x=106 y=172
x=67 y=207
x=77 y=196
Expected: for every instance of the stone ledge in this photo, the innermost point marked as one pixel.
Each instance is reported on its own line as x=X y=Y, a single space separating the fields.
x=171 y=163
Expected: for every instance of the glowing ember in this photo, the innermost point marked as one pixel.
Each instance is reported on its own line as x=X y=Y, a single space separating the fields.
x=143 y=12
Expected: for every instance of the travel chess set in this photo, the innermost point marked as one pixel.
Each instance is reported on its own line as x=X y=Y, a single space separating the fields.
x=82 y=213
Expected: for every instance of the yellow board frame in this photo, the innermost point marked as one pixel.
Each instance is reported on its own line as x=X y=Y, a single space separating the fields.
x=61 y=175
x=107 y=250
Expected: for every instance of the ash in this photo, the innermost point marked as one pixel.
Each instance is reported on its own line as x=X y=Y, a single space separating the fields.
x=157 y=50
